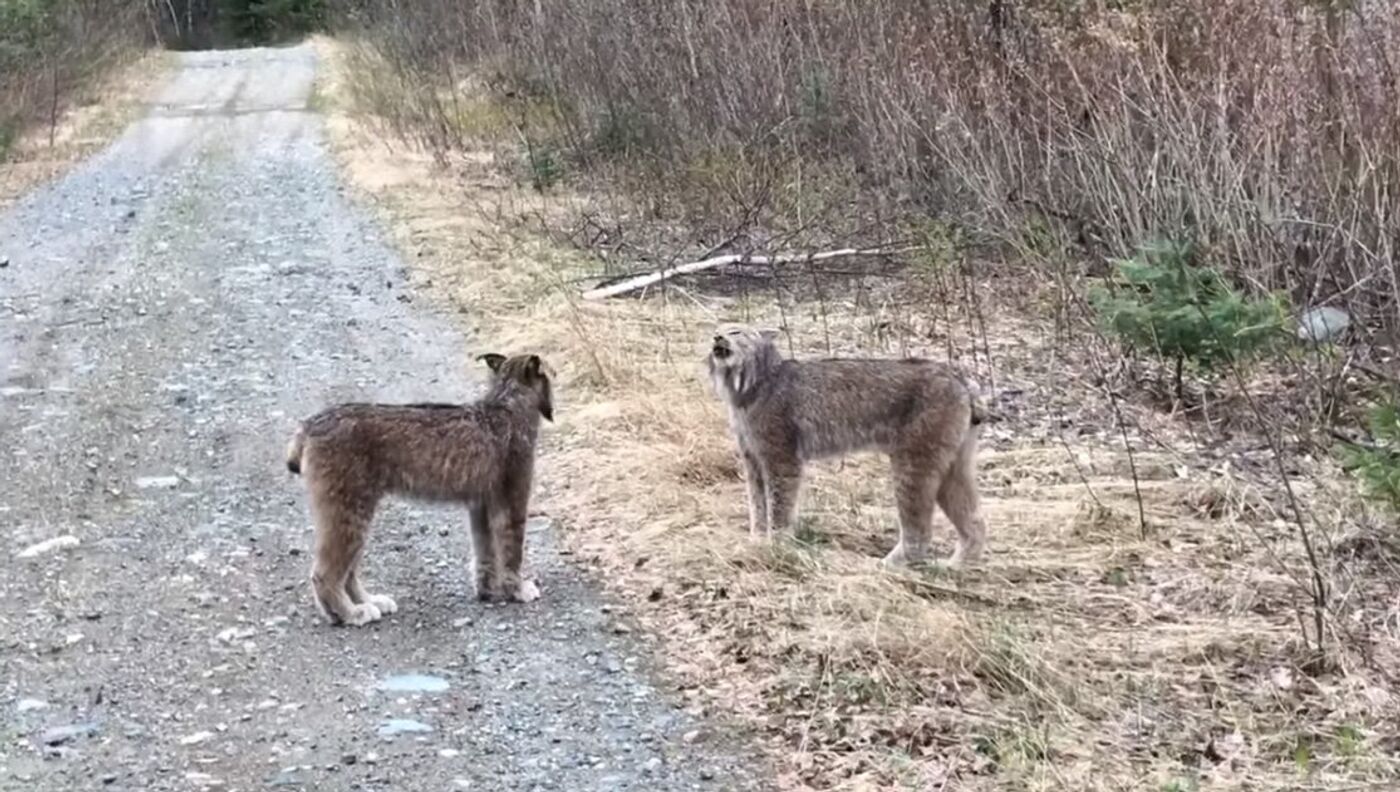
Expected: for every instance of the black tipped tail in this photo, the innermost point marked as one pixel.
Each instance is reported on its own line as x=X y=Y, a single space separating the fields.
x=977 y=403
x=294 y=449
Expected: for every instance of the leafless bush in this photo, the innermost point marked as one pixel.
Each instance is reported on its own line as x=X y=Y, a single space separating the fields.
x=1262 y=129
x=49 y=49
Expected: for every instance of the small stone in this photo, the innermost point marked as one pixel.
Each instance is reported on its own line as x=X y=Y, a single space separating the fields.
x=196 y=738
x=348 y=759
x=157 y=482
x=108 y=779
x=653 y=764
x=204 y=781
x=4 y=262
x=706 y=774
x=29 y=705
x=393 y=727
x=236 y=634
x=286 y=777
x=413 y=683
x=691 y=737
x=465 y=621
x=449 y=753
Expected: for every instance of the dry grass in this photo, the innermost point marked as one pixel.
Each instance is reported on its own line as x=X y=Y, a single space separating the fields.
x=90 y=119
x=1084 y=654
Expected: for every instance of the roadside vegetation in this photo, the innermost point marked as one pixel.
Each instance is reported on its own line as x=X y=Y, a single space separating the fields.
x=1159 y=233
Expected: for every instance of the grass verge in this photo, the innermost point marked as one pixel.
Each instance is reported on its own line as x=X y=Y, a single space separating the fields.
x=87 y=122
x=1090 y=651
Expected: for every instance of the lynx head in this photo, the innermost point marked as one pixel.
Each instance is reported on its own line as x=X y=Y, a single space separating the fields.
x=523 y=374
x=741 y=357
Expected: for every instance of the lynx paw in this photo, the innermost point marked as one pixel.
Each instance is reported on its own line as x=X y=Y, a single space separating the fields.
x=487 y=591
x=901 y=558
x=384 y=603
x=527 y=592
x=362 y=614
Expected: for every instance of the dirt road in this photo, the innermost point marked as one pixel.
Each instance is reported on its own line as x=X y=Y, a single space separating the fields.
x=166 y=313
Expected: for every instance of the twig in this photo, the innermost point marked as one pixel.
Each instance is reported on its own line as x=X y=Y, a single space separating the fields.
x=737 y=258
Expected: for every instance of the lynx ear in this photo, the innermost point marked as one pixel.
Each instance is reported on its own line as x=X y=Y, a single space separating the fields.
x=493 y=361
x=532 y=365
x=769 y=333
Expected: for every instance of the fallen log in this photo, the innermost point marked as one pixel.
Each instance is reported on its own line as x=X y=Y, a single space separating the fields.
x=650 y=278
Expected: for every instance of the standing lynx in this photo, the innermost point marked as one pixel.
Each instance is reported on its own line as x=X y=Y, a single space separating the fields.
x=784 y=413
x=480 y=454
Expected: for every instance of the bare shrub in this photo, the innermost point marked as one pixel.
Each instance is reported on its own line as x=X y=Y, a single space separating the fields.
x=1263 y=127
x=50 y=48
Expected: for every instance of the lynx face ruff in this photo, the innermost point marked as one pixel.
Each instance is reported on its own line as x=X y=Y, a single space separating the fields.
x=923 y=414
x=481 y=455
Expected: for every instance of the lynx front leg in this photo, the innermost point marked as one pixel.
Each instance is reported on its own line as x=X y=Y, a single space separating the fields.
x=758 y=495
x=784 y=484
x=513 y=582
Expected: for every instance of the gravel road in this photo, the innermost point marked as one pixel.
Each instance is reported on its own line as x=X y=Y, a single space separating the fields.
x=167 y=312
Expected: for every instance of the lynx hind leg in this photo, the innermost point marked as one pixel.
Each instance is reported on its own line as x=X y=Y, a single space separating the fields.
x=916 y=483
x=959 y=499
x=356 y=590
x=341 y=530
x=484 y=556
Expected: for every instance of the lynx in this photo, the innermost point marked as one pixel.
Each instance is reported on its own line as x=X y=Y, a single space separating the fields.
x=480 y=454
x=924 y=415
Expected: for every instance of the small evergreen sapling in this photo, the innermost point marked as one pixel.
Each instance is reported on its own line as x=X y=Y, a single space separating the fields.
x=1162 y=301
x=1378 y=465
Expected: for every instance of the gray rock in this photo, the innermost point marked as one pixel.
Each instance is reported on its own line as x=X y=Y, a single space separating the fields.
x=60 y=735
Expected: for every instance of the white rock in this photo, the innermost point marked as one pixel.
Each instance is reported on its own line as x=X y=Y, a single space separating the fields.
x=48 y=545
x=1323 y=324
x=196 y=738
x=29 y=705
x=204 y=781
x=157 y=482
x=236 y=634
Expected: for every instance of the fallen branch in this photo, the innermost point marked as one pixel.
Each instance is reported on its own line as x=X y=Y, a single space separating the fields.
x=642 y=281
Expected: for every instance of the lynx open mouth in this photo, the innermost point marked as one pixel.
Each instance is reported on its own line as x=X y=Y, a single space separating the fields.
x=720 y=350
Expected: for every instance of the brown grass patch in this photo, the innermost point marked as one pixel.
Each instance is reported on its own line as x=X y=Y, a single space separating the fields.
x=87 y=122
x=1086 y=653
